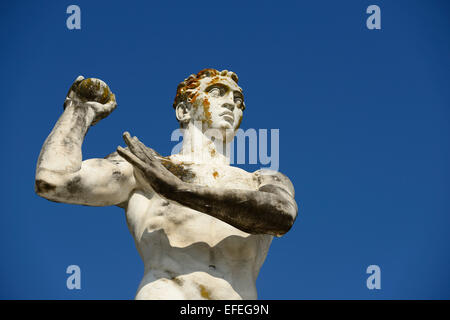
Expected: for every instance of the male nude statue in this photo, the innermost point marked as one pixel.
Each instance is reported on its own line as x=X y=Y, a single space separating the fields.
x=202 y=227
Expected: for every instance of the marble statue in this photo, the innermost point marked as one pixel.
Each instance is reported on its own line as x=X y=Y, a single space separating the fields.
x=202 y=227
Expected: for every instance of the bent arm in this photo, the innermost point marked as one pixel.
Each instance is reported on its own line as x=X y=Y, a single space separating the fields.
x=269 y=210
x=62 y=176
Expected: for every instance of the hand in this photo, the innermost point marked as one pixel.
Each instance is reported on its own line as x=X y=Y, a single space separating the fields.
x=145 y=159
x=94 y=94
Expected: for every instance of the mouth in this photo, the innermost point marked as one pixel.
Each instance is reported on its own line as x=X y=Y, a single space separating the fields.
x=228 y=116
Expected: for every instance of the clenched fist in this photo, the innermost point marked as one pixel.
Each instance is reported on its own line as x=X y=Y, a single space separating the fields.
x=92 y=93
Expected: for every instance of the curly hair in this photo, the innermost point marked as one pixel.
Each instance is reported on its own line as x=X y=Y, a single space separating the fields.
x=187 y=89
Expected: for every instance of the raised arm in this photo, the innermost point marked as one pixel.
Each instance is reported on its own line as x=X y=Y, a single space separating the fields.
x=269 y=210
x=61 y=175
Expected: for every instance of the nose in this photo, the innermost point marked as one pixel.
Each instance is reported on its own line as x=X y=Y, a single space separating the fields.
x=229 y=106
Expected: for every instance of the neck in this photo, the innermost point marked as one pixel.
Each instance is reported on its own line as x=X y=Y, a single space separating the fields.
x=199 y=147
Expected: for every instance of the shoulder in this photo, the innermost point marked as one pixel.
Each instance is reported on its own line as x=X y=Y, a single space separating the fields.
x=270 y=178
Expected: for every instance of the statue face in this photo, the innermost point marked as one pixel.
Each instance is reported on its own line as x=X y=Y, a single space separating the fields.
x=219 y=105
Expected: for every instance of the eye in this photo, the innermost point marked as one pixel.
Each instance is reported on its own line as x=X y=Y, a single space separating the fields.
x=239 y=101
x=214 y=92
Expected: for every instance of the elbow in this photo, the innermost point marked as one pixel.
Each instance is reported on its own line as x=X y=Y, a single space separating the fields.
x=287 y=216
x=284 y=226
x=47 y=184
x=44 y=188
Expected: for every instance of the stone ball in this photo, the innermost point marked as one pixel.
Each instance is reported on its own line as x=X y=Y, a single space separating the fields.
x=94 y=90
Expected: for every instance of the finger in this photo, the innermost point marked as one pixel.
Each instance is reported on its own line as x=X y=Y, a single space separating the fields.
x=77 y=82
x=106 y=107
x=153 y=152
x=144 y=148
x=153 y=157
x=112 y=99
x=100 y=109
x=132 y=145
x=127 y=138
x=74 y=85
x=131 y=158
x=111 y=104
x=141 y=150
x=148 y=152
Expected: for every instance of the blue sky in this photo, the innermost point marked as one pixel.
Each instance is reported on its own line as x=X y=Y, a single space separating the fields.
x=364 y=136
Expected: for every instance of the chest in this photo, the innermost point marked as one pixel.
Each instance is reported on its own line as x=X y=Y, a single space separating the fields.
x=148 y=212
x=213 y=175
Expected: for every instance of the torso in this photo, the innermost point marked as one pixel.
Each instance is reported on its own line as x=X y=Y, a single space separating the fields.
x=191 y=255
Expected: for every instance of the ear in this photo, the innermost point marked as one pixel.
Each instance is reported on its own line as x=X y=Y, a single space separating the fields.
x=183 y=112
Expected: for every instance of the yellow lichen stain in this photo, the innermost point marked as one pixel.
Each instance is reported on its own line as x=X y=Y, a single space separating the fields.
x=204 y=292
x=215 y=174
x=105 y=94
x=178 y=169
x=194 y=97
x=206 y=105
x=214 y=80
x=192 y=84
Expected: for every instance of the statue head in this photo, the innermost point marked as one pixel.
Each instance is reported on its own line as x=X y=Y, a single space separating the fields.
x=212 y=99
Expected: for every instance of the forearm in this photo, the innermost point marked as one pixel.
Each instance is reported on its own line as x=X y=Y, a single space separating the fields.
x=250 y=211
x=61 y=151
